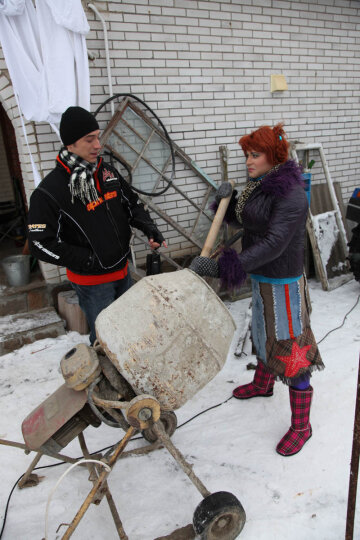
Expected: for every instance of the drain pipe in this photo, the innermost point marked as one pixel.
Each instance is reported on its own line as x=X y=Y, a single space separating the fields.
x=103 y=22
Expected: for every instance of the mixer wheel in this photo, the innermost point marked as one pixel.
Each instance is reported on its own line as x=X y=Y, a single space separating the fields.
x=220 y=516
x=169 y=422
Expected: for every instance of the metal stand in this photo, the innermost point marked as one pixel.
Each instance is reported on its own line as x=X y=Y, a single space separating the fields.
x=96 y=475
x=143 y=412
x=219 y=513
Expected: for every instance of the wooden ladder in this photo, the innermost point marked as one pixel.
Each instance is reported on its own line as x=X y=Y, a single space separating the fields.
x=296 y=147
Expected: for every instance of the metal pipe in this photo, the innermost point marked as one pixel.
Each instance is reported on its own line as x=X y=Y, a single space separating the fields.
x=102 y=478
x=179 y=458
x=354 y=467
x=107 y=57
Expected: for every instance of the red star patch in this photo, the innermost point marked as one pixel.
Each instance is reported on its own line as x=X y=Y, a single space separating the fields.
x=296 y=360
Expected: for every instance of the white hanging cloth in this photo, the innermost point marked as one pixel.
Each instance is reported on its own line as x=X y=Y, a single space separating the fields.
x=19 y=37
x=45 y=52
x=12 y=7
x=64 y=55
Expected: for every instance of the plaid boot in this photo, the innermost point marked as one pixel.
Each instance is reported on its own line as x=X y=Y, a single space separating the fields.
x=262 y=384
x=300 y=430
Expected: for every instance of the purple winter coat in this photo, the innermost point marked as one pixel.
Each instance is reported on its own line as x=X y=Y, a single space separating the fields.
x=274 y=220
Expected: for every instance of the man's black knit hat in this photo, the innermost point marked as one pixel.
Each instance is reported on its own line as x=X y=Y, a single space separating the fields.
x=75 y=123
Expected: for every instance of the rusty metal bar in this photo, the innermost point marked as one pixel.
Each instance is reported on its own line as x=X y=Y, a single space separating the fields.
x=354 y=467
x=102 y=477
x=43 y=451
x=90 y=466
x=141 y=451
x=179 y=458
x=15 y=444
x=115 y=515
x=30 y=469
x=109 y=404
x=94 y=471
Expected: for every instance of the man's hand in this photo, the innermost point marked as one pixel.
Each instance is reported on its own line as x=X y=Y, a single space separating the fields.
x=155 y=237
x=155 y=245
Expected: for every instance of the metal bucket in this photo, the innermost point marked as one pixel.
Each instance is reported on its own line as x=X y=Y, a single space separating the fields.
x=168 y=336
x=17 y=269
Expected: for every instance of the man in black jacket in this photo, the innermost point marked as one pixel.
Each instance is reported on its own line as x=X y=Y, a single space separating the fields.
x=80 y=217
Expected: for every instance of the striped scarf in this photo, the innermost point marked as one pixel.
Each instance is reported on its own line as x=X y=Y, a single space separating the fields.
x=81 y=183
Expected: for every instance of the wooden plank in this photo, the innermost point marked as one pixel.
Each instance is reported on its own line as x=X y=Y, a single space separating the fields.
x=321 y=271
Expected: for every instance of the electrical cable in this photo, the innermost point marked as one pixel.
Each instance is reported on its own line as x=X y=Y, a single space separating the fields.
x=61 y=479
x=342 y=324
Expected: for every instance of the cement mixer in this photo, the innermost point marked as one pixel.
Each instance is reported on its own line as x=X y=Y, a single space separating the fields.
x=168 y=336
x=157 y=346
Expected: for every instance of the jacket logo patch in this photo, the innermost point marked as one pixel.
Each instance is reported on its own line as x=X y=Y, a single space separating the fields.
x=37 y=227
x=43 y=248
x=108 y=176
x=93 y=204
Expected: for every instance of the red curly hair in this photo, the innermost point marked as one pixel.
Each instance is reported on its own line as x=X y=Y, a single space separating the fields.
x=271 y=141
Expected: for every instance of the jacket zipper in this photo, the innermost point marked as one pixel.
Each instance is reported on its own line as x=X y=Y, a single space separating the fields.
x=113 y=222
x=114 y=225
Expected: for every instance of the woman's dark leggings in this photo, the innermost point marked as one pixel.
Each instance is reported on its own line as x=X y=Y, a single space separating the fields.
x=302 y=384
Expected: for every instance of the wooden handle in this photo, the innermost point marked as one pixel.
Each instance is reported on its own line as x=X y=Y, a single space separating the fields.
x=216 y=224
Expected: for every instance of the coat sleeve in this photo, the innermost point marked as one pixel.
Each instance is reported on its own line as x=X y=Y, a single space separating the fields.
x=44 y=225
x=288 y=214
x=138 y=216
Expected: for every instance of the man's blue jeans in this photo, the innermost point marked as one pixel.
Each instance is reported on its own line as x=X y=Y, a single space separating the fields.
x=95 y=298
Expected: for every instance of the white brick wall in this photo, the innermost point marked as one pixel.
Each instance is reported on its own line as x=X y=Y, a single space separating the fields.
x=205 y=66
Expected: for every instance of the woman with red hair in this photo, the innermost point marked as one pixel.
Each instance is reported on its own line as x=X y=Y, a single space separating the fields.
x=272 y=210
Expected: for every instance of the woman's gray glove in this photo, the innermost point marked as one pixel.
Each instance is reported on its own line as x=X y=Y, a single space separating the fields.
x=203 y=266
x=223 y=191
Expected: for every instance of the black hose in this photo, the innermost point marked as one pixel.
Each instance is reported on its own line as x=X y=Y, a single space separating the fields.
x=167 y=136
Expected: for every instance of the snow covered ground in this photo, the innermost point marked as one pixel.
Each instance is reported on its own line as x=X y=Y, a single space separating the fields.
x=232 y=446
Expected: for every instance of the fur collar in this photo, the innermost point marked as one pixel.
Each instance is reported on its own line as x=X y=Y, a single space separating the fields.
x=282 y=180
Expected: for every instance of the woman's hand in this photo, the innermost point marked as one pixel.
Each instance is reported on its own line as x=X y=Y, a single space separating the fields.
x=223 y=191
x=203 y=266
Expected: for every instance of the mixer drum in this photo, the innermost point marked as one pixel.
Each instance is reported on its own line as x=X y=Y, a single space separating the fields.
x=168 y=336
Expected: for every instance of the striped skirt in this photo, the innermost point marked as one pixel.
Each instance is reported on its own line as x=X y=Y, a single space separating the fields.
x=281 y=331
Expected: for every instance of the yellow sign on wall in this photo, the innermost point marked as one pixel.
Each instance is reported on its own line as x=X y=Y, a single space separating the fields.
x=278 y=83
